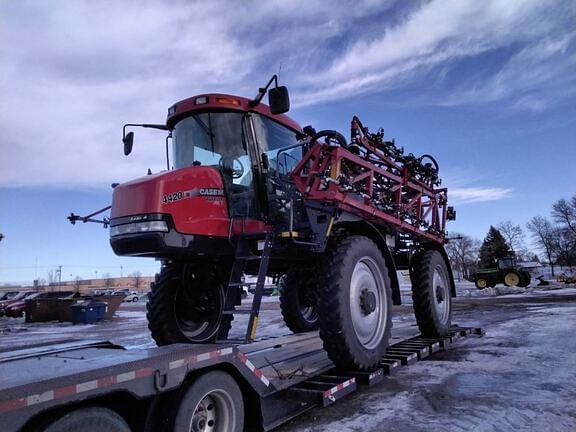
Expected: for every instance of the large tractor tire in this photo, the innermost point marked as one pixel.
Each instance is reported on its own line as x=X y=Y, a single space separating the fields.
x=525 y=279
x=481 y=283
x=512 y=278
x=355 y=303
x=185 y=305
x=298 y=299
x=431 y=293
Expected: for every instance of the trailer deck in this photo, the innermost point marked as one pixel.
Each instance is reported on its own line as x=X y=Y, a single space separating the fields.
x=289 y=374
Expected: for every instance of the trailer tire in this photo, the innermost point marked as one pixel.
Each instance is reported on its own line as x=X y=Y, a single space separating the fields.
x=94 y=419
x=213 y=397
x=355 y=303
x=431 y=293
x=299 y=307
x=166 y=312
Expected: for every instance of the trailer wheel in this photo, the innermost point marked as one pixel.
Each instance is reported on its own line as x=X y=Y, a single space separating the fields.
x=298 y=300
x=93 y=419
x=354 y=303
x=185 y=305
x=213 y=402
x=431 y=293
x=481 y=283
x=512 y=278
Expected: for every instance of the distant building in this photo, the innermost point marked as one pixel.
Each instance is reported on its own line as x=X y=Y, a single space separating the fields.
x=87 y=285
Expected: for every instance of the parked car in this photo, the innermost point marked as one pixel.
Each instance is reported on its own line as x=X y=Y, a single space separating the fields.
x=16 y=309
x=132 y=297
x=124 y=291
x=8 y=295
x=20 y=296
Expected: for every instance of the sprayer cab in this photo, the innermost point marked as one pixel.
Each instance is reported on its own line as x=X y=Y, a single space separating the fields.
x=215 y=185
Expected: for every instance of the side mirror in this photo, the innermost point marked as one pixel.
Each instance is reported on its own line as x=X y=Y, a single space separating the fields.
x=128 y=141
x=278 y=100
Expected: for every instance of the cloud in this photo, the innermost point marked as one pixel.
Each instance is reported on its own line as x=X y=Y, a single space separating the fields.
x=73 y=72
x=439 y=34
x=463 y=195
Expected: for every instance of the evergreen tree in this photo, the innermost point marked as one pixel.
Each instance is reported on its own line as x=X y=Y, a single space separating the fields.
x=493 y=247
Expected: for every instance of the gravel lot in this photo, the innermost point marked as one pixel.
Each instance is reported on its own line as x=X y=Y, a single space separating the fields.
x=519 y=376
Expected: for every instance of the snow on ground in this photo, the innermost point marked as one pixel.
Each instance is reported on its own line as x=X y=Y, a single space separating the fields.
x=519 y=376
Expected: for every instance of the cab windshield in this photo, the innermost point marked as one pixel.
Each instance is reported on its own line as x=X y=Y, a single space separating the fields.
x=218 y=140
x=205 y=138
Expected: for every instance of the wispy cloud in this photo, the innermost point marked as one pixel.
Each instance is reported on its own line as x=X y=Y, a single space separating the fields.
x=463 y=195
x=440 y=33
x=73 y=72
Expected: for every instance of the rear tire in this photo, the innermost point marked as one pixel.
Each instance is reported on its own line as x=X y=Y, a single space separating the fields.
x=525 y=279
x=185 y=305
x=298 y=300
x=355 y=303
x=431 y=293
x=212 y=402
x=93 y=419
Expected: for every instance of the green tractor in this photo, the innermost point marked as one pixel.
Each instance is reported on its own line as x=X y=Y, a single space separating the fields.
x=506 y=272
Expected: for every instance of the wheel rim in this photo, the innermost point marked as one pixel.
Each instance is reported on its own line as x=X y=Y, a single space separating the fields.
x=441 y=294
x=214 y=413
x=368 y=307
x=481 y=283
x=198 y=312
x=512 y=279
x=307 y=307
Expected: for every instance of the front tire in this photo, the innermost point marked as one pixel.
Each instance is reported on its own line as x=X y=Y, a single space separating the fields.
x=298 y=300
x=481 y=283
x=431 y=293
x=185 y=305
x=213 y=402
x=355 y=304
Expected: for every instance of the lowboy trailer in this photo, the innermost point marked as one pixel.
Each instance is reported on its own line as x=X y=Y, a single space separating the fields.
x=85 y=386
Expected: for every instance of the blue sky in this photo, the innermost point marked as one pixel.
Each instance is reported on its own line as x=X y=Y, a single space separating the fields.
x=489 y=87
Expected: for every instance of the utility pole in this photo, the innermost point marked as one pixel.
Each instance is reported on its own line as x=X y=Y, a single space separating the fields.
x=59 y=277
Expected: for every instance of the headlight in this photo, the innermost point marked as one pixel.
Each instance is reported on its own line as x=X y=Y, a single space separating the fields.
x=138 y=227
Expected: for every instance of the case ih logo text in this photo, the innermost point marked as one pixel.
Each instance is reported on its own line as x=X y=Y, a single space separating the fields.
x=180 y=195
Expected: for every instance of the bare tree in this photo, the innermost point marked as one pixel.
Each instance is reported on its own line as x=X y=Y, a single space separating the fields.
x=566 y=247
x=77 y=283
x=52 y=276
x=137 y=276
x=107 y=280
x=564 y=212
x=462 y=251
x=544 y=234
x=513 y=234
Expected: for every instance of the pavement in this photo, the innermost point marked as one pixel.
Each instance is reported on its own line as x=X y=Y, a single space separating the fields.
x=518 y=377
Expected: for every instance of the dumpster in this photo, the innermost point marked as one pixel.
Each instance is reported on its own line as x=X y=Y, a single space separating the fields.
x=88 y=312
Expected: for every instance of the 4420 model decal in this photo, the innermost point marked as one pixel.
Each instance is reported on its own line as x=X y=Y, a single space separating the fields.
x=180 y=195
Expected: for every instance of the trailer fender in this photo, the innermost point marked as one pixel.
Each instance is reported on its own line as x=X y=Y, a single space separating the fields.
x=368 y=230
x=438 y=247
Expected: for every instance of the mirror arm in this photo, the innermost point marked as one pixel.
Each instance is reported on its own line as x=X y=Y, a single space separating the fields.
x=153 y=126
x=167 y=152
x=262 y=91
